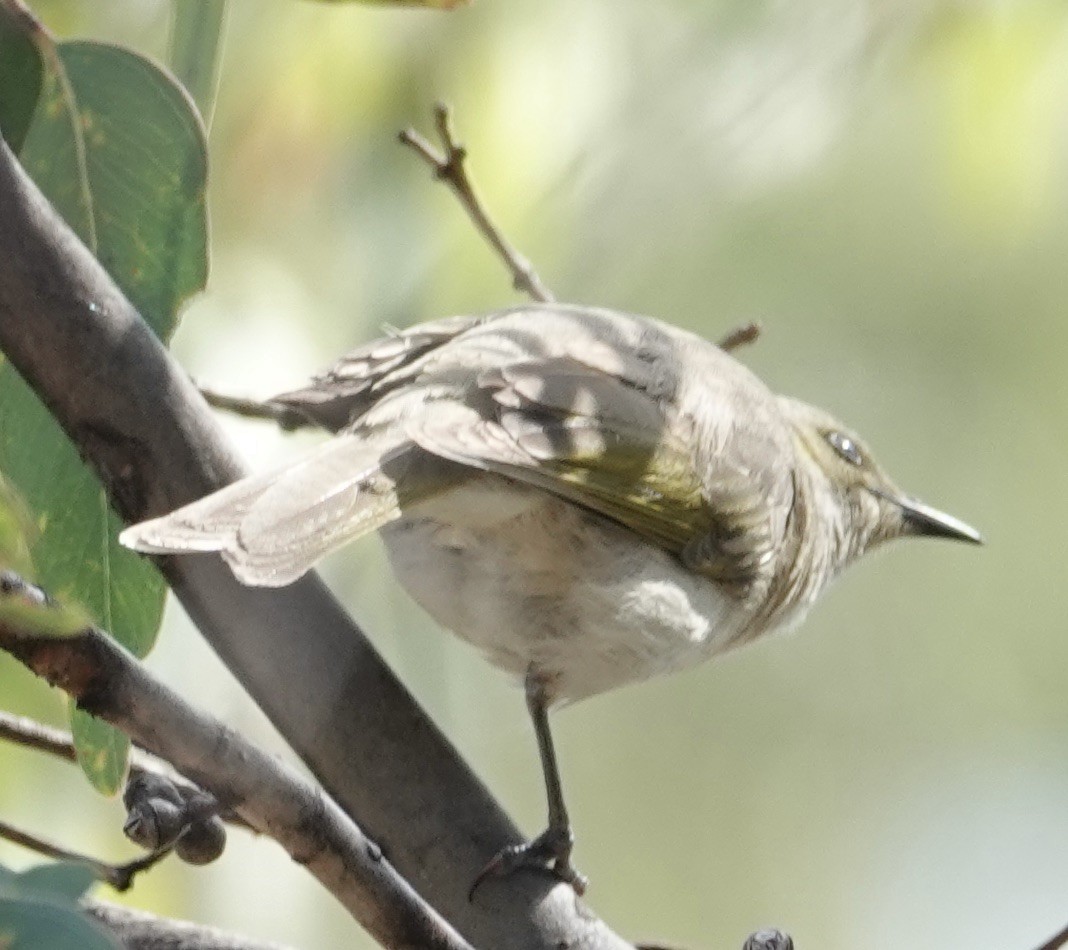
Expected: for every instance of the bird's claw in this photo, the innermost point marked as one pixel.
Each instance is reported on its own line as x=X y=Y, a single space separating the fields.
x=551 y=851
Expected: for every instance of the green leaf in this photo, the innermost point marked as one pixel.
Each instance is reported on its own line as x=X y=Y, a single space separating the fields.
x=28 y=925
x=42 y=619
x=76 y=555
x=31 y=925
x=20 y=76
x=117 y=147
x=101 y=749
x=63 y=879
x=38 y=909
x=143 y=175
x=16 y=529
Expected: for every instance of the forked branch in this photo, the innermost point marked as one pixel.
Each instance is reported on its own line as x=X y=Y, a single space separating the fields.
x=449 y=166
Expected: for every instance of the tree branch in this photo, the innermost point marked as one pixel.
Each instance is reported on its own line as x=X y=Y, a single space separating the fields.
x=448 y=166
x=107 y=681
x=138 y=930
x=138 y=420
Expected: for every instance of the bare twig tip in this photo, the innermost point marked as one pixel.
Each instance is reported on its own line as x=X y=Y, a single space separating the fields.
x=741 y=336
x=449 y=168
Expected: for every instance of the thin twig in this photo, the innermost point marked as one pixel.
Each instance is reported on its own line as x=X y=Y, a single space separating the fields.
x=285 y=417
x=119 y=876
x=36 y=735
x=1057 y=941
x=448 y=166
x=741 y=336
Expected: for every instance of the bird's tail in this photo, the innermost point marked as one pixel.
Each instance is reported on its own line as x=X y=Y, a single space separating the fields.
x=271 y=528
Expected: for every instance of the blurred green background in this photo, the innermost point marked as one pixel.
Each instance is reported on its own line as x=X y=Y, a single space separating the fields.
x=883 y=185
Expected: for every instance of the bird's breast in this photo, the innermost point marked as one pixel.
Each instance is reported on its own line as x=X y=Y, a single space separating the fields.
x=539 y=584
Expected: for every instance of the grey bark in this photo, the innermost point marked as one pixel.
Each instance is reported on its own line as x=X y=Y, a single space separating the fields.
x=137 y=930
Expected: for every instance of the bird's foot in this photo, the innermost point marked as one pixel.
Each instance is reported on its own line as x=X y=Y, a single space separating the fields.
x=551 y=851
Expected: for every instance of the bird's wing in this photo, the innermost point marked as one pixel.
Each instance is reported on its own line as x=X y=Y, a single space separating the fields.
x=342 y=393
x=624 y=417
x=608 y=445
x=273 y=527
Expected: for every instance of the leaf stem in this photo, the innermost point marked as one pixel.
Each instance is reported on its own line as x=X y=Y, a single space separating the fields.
x=194 y=50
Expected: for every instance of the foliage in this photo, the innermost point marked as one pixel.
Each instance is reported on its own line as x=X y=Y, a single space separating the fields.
x=39 y=908
x=118 y=147
x=119 y=150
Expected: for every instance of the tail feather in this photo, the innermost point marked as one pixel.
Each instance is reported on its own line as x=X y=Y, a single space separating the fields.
x=272 y=528
x=209 y=524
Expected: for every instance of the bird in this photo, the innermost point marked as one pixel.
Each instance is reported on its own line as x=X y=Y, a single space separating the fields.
x=591 y=498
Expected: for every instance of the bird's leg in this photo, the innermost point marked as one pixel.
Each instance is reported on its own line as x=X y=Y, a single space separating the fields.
x=553 y=846
x=557 y=840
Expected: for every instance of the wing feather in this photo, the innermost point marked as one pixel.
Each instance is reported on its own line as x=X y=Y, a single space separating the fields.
x=589 y=405
x=349 y=387
x=272 y=528
x=602 y=442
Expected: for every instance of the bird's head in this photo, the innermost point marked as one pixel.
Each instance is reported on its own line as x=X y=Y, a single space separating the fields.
x=853 y=494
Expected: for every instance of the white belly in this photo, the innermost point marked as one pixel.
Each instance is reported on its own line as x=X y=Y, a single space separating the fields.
x=539 y=585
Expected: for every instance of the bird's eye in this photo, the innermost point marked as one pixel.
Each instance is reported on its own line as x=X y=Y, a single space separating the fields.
x=846 y=447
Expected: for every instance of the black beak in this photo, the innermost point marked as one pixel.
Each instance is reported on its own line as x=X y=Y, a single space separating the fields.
x=928 y=521
x=923 y=520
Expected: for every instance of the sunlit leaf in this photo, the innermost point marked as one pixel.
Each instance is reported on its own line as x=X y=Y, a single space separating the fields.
x=117 y=147
x=101 y=749
x=42 y=620
x=16 y=527
x=29 y=614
